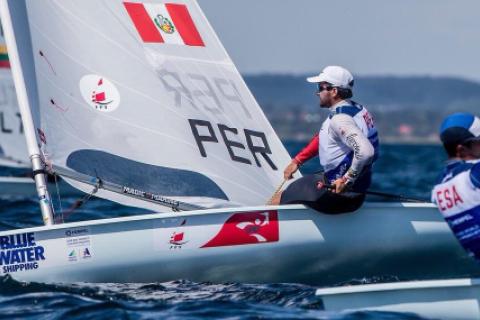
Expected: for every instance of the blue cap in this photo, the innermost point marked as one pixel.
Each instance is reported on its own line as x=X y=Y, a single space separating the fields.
x=459 y=128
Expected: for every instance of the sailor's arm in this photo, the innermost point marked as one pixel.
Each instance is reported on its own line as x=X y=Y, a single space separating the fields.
x=363 y=152
x=308 y=152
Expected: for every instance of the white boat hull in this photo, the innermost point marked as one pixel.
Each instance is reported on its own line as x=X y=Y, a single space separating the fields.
x=9 y=163
x=25 y=187
x=440 y=299
x=261 y=244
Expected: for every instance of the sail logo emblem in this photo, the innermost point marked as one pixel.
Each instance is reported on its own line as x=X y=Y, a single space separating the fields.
x=247 y=228
x=177 y=240
x=164 y=24
x=72 y=256
x=86 y=253
x=99 y=93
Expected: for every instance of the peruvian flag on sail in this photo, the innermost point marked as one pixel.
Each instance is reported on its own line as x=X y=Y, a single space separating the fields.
x=164 y=23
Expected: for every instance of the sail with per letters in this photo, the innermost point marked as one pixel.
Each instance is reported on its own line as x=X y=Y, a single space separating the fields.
x=141 y=100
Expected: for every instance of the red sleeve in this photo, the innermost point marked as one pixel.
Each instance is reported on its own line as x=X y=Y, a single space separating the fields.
x=310 y=151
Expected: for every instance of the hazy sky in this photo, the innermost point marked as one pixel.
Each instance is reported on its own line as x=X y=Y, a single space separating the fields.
x=370 y=37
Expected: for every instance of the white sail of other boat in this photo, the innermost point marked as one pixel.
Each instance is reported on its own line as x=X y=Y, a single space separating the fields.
x=15 y=178
x=13 y=149
x=141 y=98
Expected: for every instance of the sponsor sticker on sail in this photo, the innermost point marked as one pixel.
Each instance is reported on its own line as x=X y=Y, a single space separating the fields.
x=100 y=93
x=164 y=23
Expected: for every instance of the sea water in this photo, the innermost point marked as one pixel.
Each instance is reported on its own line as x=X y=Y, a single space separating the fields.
x=404 y=170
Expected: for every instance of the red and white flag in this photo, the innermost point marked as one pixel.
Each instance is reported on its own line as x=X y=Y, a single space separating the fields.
x=164 y=23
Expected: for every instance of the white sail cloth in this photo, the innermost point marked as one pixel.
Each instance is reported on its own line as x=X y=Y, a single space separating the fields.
x=143 y=95
x=13 y=149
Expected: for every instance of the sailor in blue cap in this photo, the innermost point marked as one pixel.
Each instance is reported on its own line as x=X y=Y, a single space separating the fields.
x=457 y=193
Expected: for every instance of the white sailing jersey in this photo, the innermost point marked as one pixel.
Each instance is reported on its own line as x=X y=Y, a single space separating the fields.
x=338 y=150
x=457 y=196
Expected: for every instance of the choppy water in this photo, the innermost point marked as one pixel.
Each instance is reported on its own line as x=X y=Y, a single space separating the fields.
x=406 y=170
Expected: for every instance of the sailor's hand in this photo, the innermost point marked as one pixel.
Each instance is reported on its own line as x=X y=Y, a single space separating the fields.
x=290 y=170
x=340 y=185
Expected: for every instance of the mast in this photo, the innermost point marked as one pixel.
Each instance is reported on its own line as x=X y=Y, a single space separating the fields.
x=25 y=111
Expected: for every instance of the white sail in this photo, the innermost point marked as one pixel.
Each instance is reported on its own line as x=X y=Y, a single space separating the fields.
x=13 y=149
x=142 y=97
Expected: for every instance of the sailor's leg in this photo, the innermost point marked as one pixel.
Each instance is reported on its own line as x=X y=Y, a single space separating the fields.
x=339 y=203
x=305 y=191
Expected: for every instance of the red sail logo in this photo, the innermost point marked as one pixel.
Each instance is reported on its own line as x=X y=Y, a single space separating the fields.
x=247 y=228
x=177 y=239
x=99 y=92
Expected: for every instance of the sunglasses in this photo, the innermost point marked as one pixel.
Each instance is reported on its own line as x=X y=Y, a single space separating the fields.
x=324 y=87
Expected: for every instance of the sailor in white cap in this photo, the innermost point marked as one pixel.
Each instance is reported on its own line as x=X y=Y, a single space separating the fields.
x=347 y=145
x=457 y=192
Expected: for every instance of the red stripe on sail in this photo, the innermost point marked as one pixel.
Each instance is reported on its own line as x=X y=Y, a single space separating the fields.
x=184 y=24
x=5 y=64
x=143 y=22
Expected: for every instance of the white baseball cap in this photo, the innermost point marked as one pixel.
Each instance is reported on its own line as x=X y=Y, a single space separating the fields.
x=336 y=76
